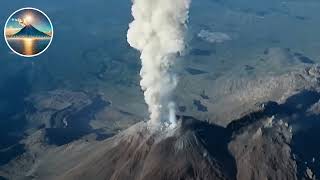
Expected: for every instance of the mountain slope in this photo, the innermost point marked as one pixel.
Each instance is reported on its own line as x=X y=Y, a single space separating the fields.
x=30 y=31
x=141 y=154
x=276 y=140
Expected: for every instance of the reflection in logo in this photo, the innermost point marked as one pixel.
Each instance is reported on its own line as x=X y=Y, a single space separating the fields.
x=28 y=46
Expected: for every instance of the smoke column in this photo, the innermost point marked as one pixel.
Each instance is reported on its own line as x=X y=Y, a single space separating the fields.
x=158 y=32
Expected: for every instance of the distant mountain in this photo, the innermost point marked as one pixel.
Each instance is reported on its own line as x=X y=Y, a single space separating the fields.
x=30 y=31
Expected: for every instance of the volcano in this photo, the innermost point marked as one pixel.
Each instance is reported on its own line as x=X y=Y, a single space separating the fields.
x=140 y=153
x=30 y=31
x=194 y=150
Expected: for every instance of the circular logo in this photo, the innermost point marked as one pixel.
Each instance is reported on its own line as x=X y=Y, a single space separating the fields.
x=28 y=32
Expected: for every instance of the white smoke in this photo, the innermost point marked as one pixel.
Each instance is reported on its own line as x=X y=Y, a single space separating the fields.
x=158 y=32
x=20 y=21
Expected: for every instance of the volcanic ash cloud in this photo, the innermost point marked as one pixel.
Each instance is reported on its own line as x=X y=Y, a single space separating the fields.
x=158 y=32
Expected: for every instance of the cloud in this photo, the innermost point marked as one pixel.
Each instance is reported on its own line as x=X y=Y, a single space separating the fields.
x=214 y=37
x=20 y=21
x=11 y=31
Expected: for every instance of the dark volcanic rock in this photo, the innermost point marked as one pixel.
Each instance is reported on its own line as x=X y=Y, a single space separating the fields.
x=248 y=68
x=182 y=108
x=200 y=52
x=77 y=122
x=254 y=147
x=200 y=106
x=188 y=153
x=304 y=59
x=193 y=71
x=263 y=152
x=204 y=96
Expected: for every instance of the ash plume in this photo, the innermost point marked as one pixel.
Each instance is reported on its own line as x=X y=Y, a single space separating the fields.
x=158 y=32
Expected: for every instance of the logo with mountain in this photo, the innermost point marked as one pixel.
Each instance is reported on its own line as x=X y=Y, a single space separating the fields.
x=28 y=32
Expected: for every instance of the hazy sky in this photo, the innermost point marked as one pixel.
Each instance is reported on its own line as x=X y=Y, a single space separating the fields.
x=39 y=21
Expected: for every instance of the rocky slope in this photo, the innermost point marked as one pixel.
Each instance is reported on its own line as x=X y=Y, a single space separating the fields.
x=276 y=139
